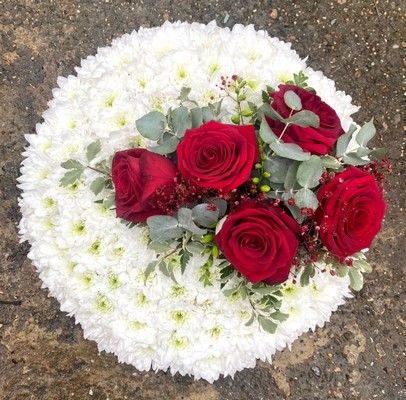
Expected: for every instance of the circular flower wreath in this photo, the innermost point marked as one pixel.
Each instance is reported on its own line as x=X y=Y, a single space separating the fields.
x=197 y=197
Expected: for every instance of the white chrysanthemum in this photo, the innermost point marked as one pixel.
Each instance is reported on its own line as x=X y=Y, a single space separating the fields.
x=94 y=264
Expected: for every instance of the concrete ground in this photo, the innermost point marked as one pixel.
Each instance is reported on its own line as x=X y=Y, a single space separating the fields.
x=360 y=354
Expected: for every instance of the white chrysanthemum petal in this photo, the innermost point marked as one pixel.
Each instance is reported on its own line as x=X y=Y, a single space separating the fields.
x=94 y=265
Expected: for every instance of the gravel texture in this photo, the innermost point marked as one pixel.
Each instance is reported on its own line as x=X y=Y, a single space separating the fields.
x=360 y=354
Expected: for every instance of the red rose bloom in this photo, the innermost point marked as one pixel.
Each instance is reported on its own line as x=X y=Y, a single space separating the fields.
x=350 y=212
x=140 y=178
x=218 y=156
x=260 y=241
x=319 y=140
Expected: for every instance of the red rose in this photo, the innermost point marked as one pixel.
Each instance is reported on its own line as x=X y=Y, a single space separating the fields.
x=218 y=156
x=260 y=241
x=319 y=140
x=140 y=178
x=350 y=212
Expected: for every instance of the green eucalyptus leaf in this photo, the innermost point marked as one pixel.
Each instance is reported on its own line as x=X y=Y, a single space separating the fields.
x=109 y=201
x=289 y=150
x=267 y=325
x=163 y=228
x=292 y=100
x=181 y=121
x=166 y=147
x=306 y=198
x=344 y=140
x=221 y=205
x=378 y=152
x=216 y=107
x=265 y=132
x=310 y=172
x=304 y=119
x=72 y=164
x=363 y=151
x=150 y=268
x=366 y=133
x=92 y=150
x=277 y=167
x=356 y=279
x=185 y=218
x=204 y=216
x=290 y=179
x=271 y=113
x=353 y=159
x=197 y=117
x=152 y=125
x=330 y=162
x=71 y=177
x=98 y=185
x=208 y=114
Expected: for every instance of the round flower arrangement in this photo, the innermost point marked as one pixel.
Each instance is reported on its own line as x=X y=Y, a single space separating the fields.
x=197 y=197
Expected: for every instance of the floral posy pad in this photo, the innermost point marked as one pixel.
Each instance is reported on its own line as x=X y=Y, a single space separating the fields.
x=147 y=271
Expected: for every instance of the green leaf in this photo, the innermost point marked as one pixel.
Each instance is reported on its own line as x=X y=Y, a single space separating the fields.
x=185 y=218
x=181 y=121
x=194 y=247
x=366 y=133
x=150 y=268
x=152 y=125
x=306 y=274
x=310 y=172
x=277 y=167
x=356 y=279
x=303 y=119
x=184 y=95
x=163 y=228
x=290 y=179
x=344 y=140
x=72 y=164
x=342 y=271
x=251 y=320
x=197 y=117
x=363 y=266
x=271 y=113
x=353 y=159
x=265 y=132
x=289 y=150
x=221 y=205
x=92 y=150
x=267 y=325
x=205 y=216
x=184 y=259
x=159 y=247
x=109 y=201
x=292 y=100
x=98 y=185
x=71 y=177
x=208 y=114
x=166 y=147
x=306 y=198
x=330 y=162
x=279 y=316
